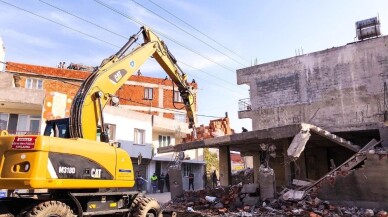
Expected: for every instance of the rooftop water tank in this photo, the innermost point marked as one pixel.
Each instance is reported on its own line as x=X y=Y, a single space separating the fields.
x=368 y=28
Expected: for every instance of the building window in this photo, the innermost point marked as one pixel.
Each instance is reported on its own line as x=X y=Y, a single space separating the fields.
x=3 y=121
x=34 y=124
x=111 y=129
x=180 y=117
x=177 y=97
x=32 y=83
x=186 y=169
x=164 y=141
x=139 y=136
x=20 y=124
x=148 y=93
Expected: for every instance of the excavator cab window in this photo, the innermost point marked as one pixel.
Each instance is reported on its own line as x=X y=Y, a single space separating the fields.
x=57 y=128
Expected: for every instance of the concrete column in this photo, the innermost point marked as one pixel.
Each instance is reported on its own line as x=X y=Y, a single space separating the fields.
x=287 y=168
x=225 y=166
x=384 y=136
x=256 y=166
x=301 y=164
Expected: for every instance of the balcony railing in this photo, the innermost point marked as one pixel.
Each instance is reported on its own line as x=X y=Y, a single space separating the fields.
x=244 y=105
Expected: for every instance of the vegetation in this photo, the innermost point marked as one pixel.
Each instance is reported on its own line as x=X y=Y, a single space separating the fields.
x=211 y=159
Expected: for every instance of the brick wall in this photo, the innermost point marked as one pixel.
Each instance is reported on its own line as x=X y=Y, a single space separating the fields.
x=336 y=87
x=67 y=81
x=216 y=128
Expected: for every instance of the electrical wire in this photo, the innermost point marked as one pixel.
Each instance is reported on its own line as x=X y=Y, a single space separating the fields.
x=85 y=20
x=167 y=37
x=68 y=27
x=124 y=37
x=209 y=45
x=126 y=99
x=98 y=38
x=191 y=26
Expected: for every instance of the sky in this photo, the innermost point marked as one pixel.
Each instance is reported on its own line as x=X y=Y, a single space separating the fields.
x=210 y=39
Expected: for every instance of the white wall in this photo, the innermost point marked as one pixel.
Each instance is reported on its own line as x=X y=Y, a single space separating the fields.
x=126 y=121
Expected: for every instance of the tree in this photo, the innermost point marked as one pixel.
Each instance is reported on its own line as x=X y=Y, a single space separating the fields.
x=211 y=159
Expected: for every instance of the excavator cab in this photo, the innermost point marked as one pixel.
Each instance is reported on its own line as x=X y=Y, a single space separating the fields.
x=57 y=128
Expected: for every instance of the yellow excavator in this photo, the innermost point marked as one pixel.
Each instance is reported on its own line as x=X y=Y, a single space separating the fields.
x=78 y=171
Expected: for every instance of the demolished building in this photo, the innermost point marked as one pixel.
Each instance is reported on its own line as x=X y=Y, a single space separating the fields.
x=339 y=96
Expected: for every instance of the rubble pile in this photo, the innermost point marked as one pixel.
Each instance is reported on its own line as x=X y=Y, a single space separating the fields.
x=244 y=200
x=244 y=176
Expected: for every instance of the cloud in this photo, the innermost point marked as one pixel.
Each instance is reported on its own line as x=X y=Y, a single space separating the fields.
x=36 y=41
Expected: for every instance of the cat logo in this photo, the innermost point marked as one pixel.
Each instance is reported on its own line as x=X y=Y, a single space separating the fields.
x=116 y=76
x=96 y=173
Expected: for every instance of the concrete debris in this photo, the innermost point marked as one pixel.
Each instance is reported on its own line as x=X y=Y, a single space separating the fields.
x=293 y=195
x=299 y=142
x=231 y=201
x=242 y=176
x=267 y=182
x=303 y=183
x=216 y=128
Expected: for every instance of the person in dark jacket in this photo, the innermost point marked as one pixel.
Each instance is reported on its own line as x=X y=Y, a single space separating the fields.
x=140 y=182
x=167 y=182
x=191 y=181
x=161 y=182
x=214 y=179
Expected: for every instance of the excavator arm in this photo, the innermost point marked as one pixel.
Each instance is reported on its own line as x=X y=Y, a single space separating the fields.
x=102 y=84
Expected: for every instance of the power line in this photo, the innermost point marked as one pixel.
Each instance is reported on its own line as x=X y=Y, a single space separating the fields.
x=115 y=33
x=117 y=45
x=68 y=27
x=85 y=20
x=76 y=85
x=188 y=33
x=126 y=99
x=167 y=37
x=198 y=31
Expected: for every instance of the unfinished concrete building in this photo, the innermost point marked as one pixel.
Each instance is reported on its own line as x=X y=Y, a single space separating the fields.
x=338 y=98
x=343 y=90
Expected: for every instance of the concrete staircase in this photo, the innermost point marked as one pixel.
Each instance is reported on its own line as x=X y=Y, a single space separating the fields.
x=352 y=162
x=332 y=137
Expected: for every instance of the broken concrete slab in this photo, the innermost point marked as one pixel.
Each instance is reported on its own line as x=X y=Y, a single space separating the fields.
x=294 y=195
x=299 y=142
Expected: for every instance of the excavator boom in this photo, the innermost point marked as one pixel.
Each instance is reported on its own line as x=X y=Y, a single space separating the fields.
x=102 y=84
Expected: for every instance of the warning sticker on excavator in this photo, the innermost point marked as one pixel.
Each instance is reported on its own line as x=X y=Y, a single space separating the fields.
x=23 y=142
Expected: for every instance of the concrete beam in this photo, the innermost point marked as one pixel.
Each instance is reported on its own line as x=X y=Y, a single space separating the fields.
x=236 y=141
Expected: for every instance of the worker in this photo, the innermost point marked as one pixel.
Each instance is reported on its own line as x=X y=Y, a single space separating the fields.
x=154 y=182
x=167 y=182
x=205 y=179
x=244 y=130
x=139 y=182
x=161 y=183
x=191 y=180
x=214 y=179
